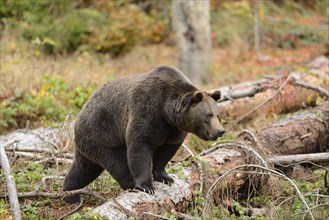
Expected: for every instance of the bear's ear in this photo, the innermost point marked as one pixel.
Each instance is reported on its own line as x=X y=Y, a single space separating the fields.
x=197 y=97
x=190 y=99
x=215 y=95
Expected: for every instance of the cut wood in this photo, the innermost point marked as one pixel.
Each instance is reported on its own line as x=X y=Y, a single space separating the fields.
x=178 y=197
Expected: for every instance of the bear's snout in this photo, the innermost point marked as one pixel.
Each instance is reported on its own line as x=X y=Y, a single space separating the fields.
x=215 y=135
x=220 y=133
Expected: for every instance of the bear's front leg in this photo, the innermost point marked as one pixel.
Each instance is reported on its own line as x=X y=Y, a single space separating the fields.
x=161 y=157
x=140 y=165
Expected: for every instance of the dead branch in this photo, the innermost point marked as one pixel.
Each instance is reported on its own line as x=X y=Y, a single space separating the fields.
x=42 y=157
x=83 y=191
x=12 y=194
x=299 y=158
x=319 y=89
x=230 y=94
x=36 y=150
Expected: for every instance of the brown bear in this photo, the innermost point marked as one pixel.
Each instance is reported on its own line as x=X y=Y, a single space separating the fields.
x=133 y=126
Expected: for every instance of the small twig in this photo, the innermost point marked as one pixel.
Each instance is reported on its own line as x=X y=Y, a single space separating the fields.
x=319 y=89
x=11 y=143
x=326 y=179
x=305 y=135
x=187 y=217
x=73 y=211
x=188 y=149
x=12 y=194
x=235 y=169
x=243 y=117
x=254 y=138
x=312 y=208
x=283 y=139
x=214 y=147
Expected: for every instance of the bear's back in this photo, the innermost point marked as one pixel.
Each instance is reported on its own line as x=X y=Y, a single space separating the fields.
x=104 y=118
x=170 y=73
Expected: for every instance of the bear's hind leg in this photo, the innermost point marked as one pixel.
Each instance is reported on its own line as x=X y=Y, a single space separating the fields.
x=115 y=162
x=82 y=172
x=161 y=157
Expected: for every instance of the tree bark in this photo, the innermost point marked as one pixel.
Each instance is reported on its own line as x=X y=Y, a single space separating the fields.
x=299 y=134
x=304 y=133
x=191 y=24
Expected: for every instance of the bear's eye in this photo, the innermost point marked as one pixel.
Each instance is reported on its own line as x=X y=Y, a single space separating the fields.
x=210 y=115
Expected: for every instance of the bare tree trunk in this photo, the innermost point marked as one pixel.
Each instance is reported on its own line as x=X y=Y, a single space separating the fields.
x=191 y=23
x=255 y=7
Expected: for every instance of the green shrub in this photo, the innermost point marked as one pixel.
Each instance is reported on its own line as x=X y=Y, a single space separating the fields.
x=119 y=35
x=70 y=25
x=50 y=103
x=66 y=33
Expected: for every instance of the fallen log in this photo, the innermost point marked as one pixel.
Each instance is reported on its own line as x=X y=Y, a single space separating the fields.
x=218 y=160
x=299 y=134
x=238 y=100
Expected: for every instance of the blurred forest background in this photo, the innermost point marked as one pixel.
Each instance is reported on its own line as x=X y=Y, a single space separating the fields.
x=54 y=54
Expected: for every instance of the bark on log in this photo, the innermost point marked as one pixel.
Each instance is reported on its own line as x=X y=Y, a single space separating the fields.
x=299 y=134
x=309 y=134
x=299 y=158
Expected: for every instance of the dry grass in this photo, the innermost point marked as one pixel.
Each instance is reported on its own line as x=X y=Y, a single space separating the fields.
x=23 y=65
x=23 y=72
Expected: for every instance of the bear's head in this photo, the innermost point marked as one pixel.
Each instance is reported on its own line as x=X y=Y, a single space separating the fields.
x=199 y=115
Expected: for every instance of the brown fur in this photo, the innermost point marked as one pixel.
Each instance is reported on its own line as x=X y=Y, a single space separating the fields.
x=133 y=126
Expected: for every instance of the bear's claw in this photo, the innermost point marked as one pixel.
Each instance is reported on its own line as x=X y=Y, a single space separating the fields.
x=146 y=189
x=164 y=178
